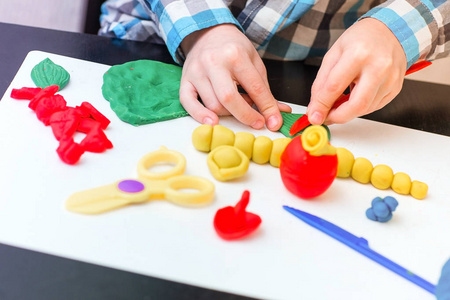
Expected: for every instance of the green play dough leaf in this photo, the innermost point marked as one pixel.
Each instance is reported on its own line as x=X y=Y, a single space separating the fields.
x=144 y=91
x=289 y=119
x=47 y=73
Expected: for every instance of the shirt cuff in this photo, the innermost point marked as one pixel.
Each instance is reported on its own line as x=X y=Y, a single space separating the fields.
x=176 y=23
x=409 y=24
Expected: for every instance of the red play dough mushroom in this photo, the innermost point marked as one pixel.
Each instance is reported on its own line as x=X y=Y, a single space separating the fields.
x=234 y=222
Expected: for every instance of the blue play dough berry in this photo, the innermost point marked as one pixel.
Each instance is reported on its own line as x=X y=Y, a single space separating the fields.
x=382 y=209
x=391 y=202
x=443 y=286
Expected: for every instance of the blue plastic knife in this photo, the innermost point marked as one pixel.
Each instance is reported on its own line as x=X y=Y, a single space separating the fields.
x=361 y=245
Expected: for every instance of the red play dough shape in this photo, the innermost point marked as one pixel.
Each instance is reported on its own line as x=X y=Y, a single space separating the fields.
x=234 y=222
x=52 y=109
x=305 y=175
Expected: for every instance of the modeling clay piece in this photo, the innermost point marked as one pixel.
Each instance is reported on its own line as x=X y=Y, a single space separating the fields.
x=48 y=73
x=227 y=162
x=294 y=124
x=25 y=93
x=144 y=91
x=93 y=113
x=309 y=163
x=443 y=286
x=52 y=110
x=362 y=170
x=69 y=151
x=260 y=149
x=401 y=183
x=381 y=176
x=418 y=189
x=345 y=162
x=233 y=223
x=65 y=123
x=43 y=94
x=171 y=185
x=297 y=127
x=48 y=106
x=382 y=209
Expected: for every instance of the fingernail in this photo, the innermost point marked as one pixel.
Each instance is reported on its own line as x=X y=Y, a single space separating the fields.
x=272 y=122
x=208 y=121
x=258 y=124
x=316 y=118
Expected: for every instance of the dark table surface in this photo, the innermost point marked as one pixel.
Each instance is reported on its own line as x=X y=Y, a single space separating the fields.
x=26 y=274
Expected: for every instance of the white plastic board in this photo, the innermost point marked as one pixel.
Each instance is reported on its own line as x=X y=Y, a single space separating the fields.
x=284 y=259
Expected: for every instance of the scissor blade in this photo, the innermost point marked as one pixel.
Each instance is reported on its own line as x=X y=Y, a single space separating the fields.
x=96 y=200
x=334 y=231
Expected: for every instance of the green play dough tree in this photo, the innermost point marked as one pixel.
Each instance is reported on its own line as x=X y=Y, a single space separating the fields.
x=144 y=91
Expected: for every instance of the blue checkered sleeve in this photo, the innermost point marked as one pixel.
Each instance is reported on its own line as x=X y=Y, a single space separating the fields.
x=282 y=29
x=127 y=19
x=418 y=25
x=178 y=19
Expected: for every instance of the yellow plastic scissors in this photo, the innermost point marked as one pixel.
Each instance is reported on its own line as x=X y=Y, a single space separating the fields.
x=171 y=185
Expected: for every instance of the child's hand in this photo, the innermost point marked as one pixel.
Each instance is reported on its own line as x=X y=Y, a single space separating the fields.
x=369 y=59
x=219 y=59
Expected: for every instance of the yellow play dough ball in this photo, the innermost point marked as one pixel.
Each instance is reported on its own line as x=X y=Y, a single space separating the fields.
x=382 y=177
x=401 y=183
x=244 y=142
x=345 y=162
x=227 y=162
x=277 y=149
x=201 y=137
x=262 y=147
x=221 y=136
x=362 y=169
x=419 y=189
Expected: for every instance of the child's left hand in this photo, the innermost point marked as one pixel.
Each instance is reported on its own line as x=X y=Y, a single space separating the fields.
x=368 y=58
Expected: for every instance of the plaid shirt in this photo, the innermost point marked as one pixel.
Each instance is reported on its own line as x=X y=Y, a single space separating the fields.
x=282 y=29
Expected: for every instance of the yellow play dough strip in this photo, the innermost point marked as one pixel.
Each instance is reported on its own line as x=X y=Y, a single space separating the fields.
x=259 y=149
x=381 y=176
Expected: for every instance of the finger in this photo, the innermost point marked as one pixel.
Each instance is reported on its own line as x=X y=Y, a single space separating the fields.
x=363 y=95
x=209 y=98
x=228 y=95
x=261 y=68
x=260 y=93
x=281 y=106
x=337 y=81
x=328 y=63
x=284 y=107
x=189 y=100
x=383 y=100
x=247 y=99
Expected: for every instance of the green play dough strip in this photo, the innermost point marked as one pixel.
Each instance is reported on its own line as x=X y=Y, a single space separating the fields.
x=144 y=91
x=47 y=73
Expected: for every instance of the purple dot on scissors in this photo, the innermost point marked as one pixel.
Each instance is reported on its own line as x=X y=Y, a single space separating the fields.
x=131 y=186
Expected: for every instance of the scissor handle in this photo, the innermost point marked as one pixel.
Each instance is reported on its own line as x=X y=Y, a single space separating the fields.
x=107 y=197
x=163 y=155
x=189 y=190
x=172 y=185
